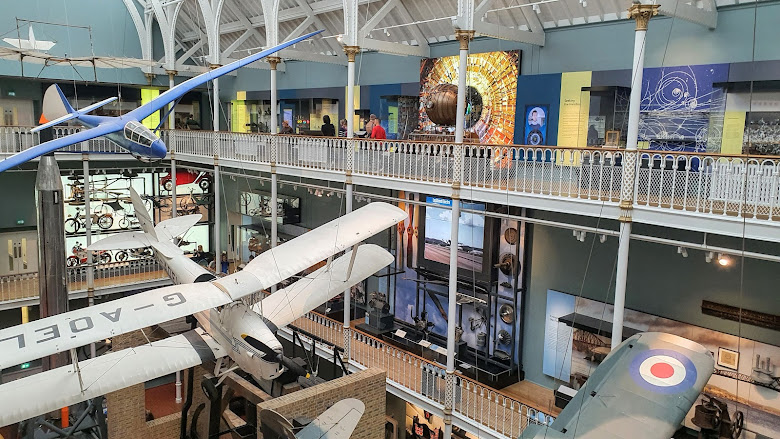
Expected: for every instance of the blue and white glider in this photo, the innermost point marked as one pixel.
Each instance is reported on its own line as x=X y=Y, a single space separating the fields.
x=127 y=130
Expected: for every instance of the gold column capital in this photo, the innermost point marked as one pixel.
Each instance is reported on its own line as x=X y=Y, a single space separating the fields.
x=150 y=77
x=642 y=14
x=273 y=61
x=464 y=36
x=172 y=73
x=351 y=51
x=214 y=66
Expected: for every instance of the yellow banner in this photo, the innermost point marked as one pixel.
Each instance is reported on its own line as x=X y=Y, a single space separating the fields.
x=147 y=95
x=573 y=119
x=239 y=117
x=733 y=132
x=356 y=101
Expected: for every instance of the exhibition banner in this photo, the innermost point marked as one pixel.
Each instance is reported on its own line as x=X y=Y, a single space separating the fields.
x=148 y=95
x=733 y=132
x=573 y=119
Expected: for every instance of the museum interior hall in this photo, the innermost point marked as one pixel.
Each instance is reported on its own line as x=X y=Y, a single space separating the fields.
x=390 y=219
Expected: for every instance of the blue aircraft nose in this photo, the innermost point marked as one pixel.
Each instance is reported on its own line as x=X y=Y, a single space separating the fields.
x=159 y=150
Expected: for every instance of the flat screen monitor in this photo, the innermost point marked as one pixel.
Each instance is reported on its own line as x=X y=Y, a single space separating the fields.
x=471 y=234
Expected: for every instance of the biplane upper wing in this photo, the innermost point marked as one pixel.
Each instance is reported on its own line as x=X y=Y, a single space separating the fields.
x=286 y=305
x=642 y=390
x=48 y=391
x=62 y=332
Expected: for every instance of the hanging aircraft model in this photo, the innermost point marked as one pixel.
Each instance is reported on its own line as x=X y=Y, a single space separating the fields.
x=642 y=390
x=231 y=328
x=126 y=130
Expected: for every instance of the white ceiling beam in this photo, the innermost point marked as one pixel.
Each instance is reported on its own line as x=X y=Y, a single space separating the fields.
x=191 y=51
x=294 y=13
x=335 y=47
x=140 y=27
x=378 y=17
x=465 y=18
x=301 y=55
x=235 y=44
x=394 y=48
x=422 y=40
x=493 y=30
x=684 y=11
x=298 y=31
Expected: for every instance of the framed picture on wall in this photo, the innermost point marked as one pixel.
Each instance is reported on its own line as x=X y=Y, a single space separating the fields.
x=536 y=124
x=728 y=358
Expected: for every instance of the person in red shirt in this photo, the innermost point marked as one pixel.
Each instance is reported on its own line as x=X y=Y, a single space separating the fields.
x=377 y=132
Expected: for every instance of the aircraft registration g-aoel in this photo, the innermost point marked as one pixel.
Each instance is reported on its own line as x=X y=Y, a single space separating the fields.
x=642 y=390
x=126 y=130
x=231 y=328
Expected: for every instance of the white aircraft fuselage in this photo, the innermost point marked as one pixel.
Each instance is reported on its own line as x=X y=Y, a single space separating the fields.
x=242 y=332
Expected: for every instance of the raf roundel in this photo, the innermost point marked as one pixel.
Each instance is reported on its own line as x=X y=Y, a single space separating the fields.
x=663 y=371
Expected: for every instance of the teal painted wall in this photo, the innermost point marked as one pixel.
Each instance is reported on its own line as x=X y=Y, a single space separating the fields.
x=19 y=199
x=660 y=282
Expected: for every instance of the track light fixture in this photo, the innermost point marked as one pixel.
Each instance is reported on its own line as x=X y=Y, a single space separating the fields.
x=723 y=260
x=708 y=256
x=602 y=238
x=682 y=251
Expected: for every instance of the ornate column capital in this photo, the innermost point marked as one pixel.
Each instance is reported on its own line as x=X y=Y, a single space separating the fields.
x=273 y=61
x=172 y=73
x=351 y=51
x=642 y=14
x=464 y=36
x=214 y=66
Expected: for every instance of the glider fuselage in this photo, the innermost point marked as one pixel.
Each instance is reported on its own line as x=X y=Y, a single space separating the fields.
x=156 y=150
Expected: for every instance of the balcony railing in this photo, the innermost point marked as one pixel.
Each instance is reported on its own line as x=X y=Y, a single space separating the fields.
x=712 y=184
x=732 y=185
x=488 y=407
x=122 y=275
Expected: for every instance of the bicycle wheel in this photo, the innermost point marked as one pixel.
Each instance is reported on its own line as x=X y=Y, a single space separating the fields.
x=72 y=226
x=205 y=184
x=168 y=185
x=71 y=261
x=105 y=258
x=124 y=223
x=121 y=256
x=105 y=221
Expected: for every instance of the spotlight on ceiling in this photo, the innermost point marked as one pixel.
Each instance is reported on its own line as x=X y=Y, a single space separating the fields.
x=723 y=260
x=708 y=256
x=682 y=251
x=602 y=238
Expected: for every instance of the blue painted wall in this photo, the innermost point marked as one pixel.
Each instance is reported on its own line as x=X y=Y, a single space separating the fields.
x=538 y=90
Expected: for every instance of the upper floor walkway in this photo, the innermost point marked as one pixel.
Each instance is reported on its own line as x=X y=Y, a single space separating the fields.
x=732 y=195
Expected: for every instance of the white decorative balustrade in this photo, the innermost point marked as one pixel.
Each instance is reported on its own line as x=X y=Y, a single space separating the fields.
x=710 y=184
x=485 y=406
x=122 y=275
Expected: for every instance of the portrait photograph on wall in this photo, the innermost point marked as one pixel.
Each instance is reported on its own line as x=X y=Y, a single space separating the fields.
x=490 y=99
x=536 y=124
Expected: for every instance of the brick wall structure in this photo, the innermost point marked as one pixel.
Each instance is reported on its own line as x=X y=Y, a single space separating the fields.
x=127 y=407
x=367 y=385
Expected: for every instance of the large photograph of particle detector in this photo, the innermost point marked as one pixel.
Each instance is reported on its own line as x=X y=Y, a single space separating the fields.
x=490 y=101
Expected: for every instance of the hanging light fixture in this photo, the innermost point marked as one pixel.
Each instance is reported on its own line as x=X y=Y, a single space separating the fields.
x=682 y=251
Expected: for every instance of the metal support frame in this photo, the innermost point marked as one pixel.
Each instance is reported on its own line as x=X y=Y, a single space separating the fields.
x=642 y=14
x=217 y=220
x=88 y=236
x=347 y=292
x=174 y=205
x=464 y=36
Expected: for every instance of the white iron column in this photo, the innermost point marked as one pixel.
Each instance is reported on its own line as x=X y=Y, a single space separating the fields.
x=173 y=185
x=171 y=114
x=351 y=51
x=641 y=13
x=274 y=62
x=217 y=215
x=88 y=226
x=274 y=209
x=464 y=36
x=348 y=292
